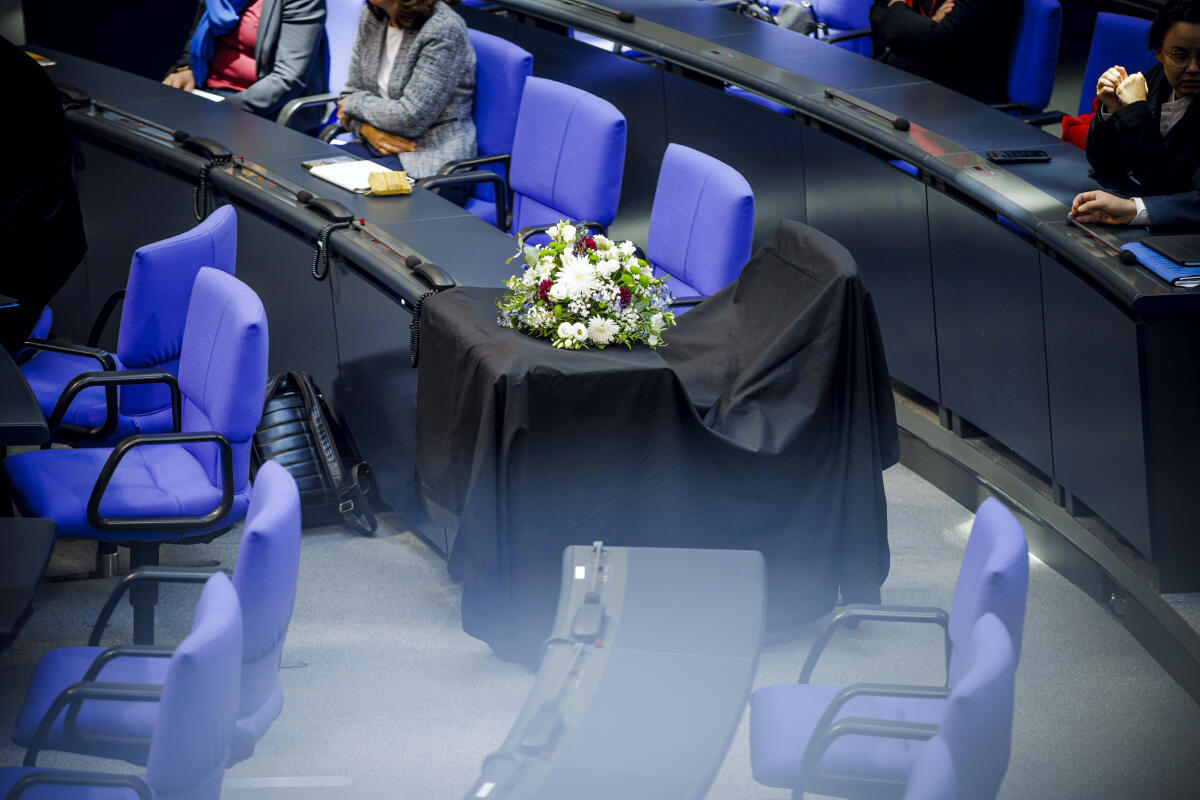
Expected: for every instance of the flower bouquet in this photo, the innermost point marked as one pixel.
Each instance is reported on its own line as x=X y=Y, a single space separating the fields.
x=584 y=291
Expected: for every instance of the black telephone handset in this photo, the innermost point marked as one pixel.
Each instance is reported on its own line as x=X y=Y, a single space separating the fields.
x=331 y=210
x=432 y=274
x=209 y=148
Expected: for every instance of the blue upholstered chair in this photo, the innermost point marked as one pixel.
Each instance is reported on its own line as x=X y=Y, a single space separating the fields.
x=193 y=710
x=500 y=72
x=1034 y=57
x=265 y=579
x=156 y=303
x=1116 y=39
x=968 y=756
x=701 y=224
x=568 y=156
x=341 y=28
x=189 y=485
x=993 y=579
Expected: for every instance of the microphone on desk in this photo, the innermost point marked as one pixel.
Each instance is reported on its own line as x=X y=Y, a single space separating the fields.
x=179 y=136
x=1127 y=258
x=304 y=196
x=900 y=123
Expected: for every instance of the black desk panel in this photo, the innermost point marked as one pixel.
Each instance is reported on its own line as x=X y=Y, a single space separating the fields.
x=21 y=420
x=991 y=352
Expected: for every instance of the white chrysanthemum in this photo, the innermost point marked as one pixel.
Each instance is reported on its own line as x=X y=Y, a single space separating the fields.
x=529 y=278
x=576 y=268
x=566 y=331
x=627 y=248
x=602 y=241
x=601 y=330
x=544 y=270
x=579 y=332
x=606 y=267
x=567 y=232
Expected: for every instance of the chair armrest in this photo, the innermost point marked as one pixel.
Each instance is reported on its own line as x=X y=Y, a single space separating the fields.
x=107 y=362
x=77 y=693
x=827 y=730
x=1045 y=118
x=331 y=130
x=295 y=104
x=1020 y=108
x=687 y=301
x=499 y=188
x=466 y=163
x=533 y=230
x=110 y=381
x=861 y=726
x=110 y=305
x=125 y=651
x=858 y=613
x=159 y=524
x=143 y=575
x=54 y=777
x=846 y=36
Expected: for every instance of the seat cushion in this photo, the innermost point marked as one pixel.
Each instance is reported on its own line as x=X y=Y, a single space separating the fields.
x=484 y=209
x=10 y=775
x=49 y=373
x=151 y=481
x=57 y=670
x=783 y=718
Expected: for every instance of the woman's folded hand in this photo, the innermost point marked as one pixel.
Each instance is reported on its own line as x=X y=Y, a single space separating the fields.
x=386 y=143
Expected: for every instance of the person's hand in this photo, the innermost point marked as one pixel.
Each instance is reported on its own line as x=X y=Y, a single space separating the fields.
x=386 y=143
x=1106 y=88
x=183 y=79
x=1132 y=89
x=342 y=119
x=943 y=11
x=1096 y=206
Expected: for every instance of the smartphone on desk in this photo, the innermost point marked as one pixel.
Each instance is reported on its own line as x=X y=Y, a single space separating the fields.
x=1018 y=156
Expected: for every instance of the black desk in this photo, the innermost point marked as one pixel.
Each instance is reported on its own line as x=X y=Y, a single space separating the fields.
x=25 y=544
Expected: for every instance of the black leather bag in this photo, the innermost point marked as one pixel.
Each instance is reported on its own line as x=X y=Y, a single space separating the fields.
x=298 y=431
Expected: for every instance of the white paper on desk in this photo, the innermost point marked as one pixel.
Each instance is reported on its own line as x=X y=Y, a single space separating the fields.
x=350 y=175
x=216 y=98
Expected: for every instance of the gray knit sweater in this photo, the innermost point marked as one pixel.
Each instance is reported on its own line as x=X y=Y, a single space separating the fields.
x=430 y=94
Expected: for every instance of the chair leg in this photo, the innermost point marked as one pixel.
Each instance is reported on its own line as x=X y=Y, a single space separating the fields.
x=108 y=565
x=144 y=596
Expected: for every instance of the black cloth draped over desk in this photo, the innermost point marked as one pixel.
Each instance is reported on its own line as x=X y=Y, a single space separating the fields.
x=765 y=424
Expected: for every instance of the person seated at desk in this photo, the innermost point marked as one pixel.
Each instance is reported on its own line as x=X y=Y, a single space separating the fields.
x=411 y=87
x=1149 y=127
x=258 y=53
x=962 y=44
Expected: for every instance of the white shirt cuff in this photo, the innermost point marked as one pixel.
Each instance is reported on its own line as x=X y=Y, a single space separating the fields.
x=1143 y=214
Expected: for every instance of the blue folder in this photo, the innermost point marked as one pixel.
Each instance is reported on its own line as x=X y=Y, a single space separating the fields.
x=1163 y=267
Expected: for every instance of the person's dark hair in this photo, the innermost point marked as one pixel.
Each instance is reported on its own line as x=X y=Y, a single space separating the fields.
x=409 y=13
x=1172 y=11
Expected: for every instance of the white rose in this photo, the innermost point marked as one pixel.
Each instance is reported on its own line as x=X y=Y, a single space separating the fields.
x=560 y=291
x=579 y=331
x=606 y=267
x=565 y=331
x=567 y=232
x=552 y=231
x=602 y=241
x=656 y=322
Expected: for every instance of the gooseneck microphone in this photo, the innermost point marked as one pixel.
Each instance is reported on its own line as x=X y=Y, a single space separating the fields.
x=1128 y=258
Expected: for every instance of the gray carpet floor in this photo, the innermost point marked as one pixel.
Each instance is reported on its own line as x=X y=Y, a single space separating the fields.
x=386 y=697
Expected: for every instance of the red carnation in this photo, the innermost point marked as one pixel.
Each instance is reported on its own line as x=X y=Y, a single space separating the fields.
x=544 y=290
x=626 y=297
x=589 y=243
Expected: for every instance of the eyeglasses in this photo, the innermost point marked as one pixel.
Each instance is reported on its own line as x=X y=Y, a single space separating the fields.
x=1181 y=58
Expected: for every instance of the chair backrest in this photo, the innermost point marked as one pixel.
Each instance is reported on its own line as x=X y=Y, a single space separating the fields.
x=994 y=578
x=1035 y=53
x=702 y=222
x=159 y=288
x=969 y=755
x=500 y=72
x=341 y=26
x=223 y=369
x=1116 y=40
x=568 y=156
x=190 y=743
x=265 y=578
x=846 y=15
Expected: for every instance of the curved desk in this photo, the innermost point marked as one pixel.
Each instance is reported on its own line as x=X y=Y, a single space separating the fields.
x=1034 y=362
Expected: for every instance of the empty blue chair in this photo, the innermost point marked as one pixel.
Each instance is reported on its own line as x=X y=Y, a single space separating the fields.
x=1034 y=56
x=993 y=579
x=1116 y=40
x=166 y=487
x=701 y=224
x=568 y=156
x=194 y=708
x=152 y=319
x=265 y=579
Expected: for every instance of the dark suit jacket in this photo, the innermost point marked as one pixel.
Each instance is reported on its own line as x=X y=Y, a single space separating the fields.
x=291 y=55
x=1129 y=141
x=968 y=51
x=1176 y=211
